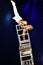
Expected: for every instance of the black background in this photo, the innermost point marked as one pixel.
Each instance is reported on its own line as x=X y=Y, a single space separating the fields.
x=9 y=53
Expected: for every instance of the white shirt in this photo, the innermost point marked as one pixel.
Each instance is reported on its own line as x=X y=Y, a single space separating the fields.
x=17 y=17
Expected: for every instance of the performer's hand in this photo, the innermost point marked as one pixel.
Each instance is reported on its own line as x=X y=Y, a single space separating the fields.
x=29 y=27
x=26 y=27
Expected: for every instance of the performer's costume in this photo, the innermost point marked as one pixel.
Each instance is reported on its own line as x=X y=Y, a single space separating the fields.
x=17 y=16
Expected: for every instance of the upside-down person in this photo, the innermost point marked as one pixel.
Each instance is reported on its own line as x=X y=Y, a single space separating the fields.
x=19 y=19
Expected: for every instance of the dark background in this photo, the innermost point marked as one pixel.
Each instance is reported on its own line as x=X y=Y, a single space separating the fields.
x=30 y=10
